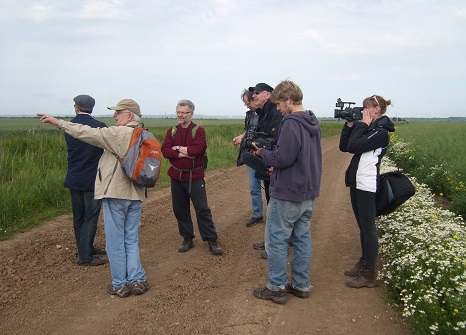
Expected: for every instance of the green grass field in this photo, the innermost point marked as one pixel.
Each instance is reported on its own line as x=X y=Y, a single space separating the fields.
x=33 y=163
x=433 y=152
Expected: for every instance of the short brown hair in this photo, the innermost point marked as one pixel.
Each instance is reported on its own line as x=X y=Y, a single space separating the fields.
x=287 y=90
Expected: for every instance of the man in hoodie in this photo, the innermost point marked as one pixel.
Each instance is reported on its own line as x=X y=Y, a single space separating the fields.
x=294 y=185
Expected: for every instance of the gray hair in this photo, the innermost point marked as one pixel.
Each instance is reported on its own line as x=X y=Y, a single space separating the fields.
x=186 y=102
x=136 y=117
x=85 y=110
x=247 y=93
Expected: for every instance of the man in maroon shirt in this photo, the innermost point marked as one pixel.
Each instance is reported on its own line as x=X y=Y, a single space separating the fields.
x=184 y=147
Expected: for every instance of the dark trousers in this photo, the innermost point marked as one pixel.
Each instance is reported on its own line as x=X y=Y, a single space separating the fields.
x=86 y=212
x=181 y=207
x=266 y=189
x=363 y=204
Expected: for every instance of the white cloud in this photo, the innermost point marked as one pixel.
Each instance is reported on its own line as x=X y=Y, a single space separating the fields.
x=101 y=9
x=40 y=13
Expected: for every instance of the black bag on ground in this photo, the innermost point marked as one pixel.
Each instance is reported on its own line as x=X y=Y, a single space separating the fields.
x=394 y=189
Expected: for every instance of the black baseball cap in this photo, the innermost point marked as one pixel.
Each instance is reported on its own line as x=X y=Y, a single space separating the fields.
x=261 y=87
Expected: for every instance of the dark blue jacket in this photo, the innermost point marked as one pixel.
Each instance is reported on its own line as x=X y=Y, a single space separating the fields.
x=297 y=160
x=83 y=158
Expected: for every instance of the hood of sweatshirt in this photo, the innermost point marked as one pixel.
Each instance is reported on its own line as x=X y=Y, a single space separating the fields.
x=308 y=119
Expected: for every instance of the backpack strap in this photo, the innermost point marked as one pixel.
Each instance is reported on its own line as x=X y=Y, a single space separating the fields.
x=193 y=131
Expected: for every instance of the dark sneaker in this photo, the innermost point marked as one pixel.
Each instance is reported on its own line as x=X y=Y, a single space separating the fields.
x=300 y=294
x=259 y=245
x=121 y=291
x=215 y=248
x=93 y=262
x=264 y=255
x=139 y=287
x=278 y=297
x=187 y=244
x=254 y=221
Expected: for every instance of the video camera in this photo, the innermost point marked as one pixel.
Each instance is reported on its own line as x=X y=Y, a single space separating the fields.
x=246 y=157
x=349 y=113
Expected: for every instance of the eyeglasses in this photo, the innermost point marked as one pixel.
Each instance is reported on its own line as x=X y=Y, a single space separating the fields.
x=182 y=113
x=122 y=111
x=376 y=101
x=257 y=93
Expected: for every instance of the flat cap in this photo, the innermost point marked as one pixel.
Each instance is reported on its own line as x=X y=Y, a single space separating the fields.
x=85 y=102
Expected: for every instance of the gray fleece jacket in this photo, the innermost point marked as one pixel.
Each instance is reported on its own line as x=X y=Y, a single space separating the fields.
x=297 y=159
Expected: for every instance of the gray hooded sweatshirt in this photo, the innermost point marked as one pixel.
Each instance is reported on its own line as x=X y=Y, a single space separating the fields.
x=297 y=159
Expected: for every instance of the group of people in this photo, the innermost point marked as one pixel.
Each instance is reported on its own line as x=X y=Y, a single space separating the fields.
x=95 y=182
x=293 y=170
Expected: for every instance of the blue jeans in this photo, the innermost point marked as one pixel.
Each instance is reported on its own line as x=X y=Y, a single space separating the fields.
x=256 y=193
x=86 y=212
x=363 y=204
x=122 y=219
x=288 y=222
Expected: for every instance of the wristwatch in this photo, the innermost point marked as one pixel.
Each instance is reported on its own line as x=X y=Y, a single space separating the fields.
x=177 y=148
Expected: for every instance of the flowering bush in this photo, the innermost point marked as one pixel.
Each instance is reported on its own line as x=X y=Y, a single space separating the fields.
x=423 y=248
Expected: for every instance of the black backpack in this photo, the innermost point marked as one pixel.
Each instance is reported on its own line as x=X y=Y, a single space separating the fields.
x=394 y=189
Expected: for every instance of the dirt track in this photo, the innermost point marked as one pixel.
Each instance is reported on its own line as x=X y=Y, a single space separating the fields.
x=42 y=291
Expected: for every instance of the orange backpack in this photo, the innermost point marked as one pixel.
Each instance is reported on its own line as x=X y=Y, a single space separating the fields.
x=142 y=160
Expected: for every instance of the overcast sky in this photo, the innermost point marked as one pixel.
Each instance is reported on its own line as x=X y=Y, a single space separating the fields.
x=158 y=52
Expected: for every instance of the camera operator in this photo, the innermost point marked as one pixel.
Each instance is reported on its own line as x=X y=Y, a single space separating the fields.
x=367 y=140
x=262 y=118
x=294 y=184
x=269 y=123
x=250 y=125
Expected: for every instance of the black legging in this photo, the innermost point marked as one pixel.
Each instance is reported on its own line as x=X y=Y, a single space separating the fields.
x=363 y=204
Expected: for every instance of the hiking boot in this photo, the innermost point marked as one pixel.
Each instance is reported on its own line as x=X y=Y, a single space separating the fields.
x=278 y=297
x=139 y=287
x=254 y=221
x=264 y=255
x=93 y=262
x=215 y=248
x=121 y=291
x=300 y=294
x=187 y=244
x=366 y=278
x=259 y=245
x=354 y=272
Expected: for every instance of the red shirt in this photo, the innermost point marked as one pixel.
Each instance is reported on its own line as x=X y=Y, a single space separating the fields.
x=196 y=148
